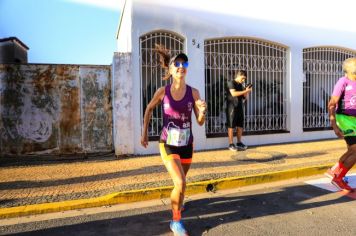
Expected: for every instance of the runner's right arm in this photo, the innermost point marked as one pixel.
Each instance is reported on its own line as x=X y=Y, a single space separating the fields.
x=157 y=98
x=332 y=109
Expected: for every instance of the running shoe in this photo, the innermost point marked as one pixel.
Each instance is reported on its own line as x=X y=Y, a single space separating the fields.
x=340 y=184
x=241 y=146
x=330 y=174
x=232 y=147
x=178 y=229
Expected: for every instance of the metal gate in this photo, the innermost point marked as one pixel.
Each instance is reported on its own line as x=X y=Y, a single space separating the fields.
x=265 y=63
x=151 y=72
x=322 y=67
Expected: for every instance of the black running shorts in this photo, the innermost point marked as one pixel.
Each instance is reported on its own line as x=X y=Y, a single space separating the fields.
x=350 y=140
x=234 y=116
x=184 y=153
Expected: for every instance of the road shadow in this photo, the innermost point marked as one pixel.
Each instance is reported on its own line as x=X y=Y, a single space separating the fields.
x=201 y=215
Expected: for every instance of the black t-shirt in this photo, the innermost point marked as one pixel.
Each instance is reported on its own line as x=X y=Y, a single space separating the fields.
x=236 y=101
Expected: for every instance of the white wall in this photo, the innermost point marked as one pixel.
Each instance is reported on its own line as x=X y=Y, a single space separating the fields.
x=201 y=20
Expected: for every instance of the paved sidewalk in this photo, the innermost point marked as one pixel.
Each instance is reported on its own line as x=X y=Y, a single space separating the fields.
x=39 y=185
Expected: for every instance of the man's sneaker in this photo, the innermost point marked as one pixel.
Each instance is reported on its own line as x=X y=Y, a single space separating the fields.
x=241 y=146
x=340 y=184
x=177 y=228
x=232 y=147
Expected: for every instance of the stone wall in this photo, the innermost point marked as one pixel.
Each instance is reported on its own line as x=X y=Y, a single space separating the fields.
x=62 y=109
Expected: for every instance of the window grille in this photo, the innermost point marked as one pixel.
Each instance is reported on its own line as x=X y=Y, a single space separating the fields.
x=322 y=67
x=152 y=73
x=265 y=63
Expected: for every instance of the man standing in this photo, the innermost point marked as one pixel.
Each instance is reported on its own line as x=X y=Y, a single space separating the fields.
x=236 y=95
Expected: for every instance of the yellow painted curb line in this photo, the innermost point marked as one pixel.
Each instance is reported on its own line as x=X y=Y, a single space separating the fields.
x=162 y=192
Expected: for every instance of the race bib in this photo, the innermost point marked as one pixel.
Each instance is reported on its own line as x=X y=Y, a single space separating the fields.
x=178 y=137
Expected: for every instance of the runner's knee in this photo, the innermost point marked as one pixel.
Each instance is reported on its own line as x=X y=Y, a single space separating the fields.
x=352 y=150
x=180 y=184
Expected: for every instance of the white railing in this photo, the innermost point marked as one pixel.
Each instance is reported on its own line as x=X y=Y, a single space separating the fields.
x=265 y=63
x=322 y=67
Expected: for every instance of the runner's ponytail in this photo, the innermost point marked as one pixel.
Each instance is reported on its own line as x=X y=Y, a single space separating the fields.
x=164 y=57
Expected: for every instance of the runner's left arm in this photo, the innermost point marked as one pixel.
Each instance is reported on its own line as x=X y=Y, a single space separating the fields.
x=199 y=107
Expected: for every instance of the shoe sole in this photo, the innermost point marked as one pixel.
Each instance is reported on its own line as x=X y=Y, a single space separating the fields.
x=177 y=234
x=341 y=189
x=336 y=185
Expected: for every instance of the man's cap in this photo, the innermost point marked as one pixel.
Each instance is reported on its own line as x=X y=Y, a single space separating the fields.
x=179 y=55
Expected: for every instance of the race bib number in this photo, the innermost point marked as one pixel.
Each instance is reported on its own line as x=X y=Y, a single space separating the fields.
x=178 y=137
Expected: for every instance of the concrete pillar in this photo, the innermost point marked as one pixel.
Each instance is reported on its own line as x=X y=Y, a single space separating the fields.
x=295 y=92
x=122 y=95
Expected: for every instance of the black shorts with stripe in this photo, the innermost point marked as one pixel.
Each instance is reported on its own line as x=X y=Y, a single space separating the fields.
x=184 y=153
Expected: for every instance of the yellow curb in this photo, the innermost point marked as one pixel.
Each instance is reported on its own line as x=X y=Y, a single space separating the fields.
x=162 y=192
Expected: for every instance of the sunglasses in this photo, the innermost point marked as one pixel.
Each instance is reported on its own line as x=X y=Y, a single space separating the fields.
x=181 y=64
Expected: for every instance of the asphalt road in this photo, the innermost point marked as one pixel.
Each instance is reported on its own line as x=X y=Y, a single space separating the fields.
x=283 y=208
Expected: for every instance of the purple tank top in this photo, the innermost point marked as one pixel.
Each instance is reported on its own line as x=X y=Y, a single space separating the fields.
x=177 y=118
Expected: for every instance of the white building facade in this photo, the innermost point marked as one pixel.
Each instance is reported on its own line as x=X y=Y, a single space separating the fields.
x=292 y=64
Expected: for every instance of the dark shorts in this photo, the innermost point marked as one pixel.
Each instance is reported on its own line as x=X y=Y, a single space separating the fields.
x=234 y=116
x=350 y=140
x=184 y=153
